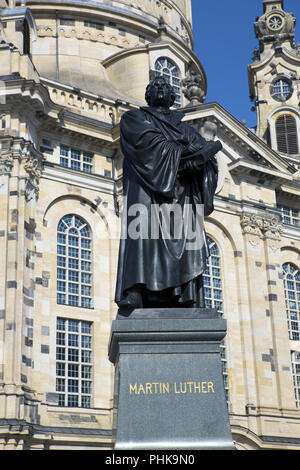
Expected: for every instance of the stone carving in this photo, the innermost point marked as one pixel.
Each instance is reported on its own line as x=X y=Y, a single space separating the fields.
x=32 y=167
x=263 y=226
x=194 y=88
x=6 y=164
x=83 y=33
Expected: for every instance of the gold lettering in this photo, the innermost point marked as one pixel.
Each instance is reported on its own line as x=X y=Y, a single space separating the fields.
x=162 y=388
x=141 y=389
x=133 y=388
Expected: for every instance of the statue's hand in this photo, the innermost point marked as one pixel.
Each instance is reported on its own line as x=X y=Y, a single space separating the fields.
x=191 y=166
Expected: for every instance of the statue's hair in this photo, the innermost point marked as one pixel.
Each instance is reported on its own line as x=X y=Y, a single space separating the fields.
x=172 y=92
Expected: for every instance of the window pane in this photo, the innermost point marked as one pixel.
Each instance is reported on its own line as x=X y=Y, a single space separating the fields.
x=73 y=355
x=73 y=325
x=86 y=372
x=60 y=385
x=86 y=356
x=61 y=298
x=86 y=402
x=61 y=286
x=73 y=300
x=73 y=386
x=73 y=370
x=86 y=327
x=61 y=324
x=73 y=340
x=60 y=338
x=86 y=302
x=73 y=400
x=60 y=354
x=60 y=369
x=64 y=150
x=86 y=342
x=61 y=250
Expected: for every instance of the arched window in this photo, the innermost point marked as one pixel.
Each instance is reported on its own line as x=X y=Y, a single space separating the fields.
x=74 y=265
x=291 y=282
x=164 y=67
x=286 y=134
x=212 y=281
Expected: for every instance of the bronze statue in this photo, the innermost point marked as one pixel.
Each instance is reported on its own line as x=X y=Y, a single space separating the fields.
x=169 y=171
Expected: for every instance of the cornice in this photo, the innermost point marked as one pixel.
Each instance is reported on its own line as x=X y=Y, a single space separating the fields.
x=92 y=181
x=242 y=138
x=291 y=190
x=260 y=64
x=147 y=22
x=242 y=167
x=33 y=99
x=186 y=54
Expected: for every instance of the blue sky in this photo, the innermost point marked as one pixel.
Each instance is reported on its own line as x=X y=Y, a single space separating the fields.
x=224 y=42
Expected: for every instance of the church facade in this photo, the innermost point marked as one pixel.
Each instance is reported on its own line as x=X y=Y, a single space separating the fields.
x=70 y=70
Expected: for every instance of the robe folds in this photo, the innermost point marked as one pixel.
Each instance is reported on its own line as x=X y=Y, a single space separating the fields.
x=153 y=145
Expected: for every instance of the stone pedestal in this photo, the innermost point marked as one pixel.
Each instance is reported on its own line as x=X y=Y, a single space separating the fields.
x=169 y=391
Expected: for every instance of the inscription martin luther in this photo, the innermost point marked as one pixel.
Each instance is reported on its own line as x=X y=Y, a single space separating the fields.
x=162 y=388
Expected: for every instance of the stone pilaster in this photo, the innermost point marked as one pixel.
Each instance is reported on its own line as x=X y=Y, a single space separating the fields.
x=279 y=355
x=267 y=378
x=19 y=177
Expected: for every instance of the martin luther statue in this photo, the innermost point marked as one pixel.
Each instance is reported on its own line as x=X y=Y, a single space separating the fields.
x=169 y=170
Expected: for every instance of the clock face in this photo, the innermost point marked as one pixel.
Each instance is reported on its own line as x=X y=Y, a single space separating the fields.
x=275 y=22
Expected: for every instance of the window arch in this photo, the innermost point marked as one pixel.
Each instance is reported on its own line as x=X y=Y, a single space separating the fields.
x=74 y=262
x=291 y=282
x=286 y=134
x=166 y=68
x=213 y=295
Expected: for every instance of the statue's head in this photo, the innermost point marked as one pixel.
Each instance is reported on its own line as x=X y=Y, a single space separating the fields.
x=160 y=93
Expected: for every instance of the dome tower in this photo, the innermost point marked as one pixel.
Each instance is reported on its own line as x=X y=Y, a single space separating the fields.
x=113 y=47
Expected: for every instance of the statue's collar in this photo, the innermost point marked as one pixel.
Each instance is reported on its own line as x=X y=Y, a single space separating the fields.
x=173 y=117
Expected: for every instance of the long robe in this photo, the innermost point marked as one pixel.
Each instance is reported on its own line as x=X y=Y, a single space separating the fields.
x=152 y=145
